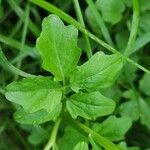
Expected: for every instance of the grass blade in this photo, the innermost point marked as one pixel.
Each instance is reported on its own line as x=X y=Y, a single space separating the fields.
x=100 y=22
x=80 y=18
x=134 y=27
x=14 y=43
x=9 y=67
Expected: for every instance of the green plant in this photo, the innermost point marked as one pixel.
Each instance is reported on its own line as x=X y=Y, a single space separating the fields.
x=46 y=98
x=76 y=97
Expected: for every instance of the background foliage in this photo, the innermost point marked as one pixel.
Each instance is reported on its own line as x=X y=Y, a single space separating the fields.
x=128 y=126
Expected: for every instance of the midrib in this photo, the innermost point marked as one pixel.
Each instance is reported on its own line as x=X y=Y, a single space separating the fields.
x=58 y=58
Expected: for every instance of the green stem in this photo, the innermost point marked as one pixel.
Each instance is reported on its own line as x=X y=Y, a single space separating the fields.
x=24 y=34
x=18 y=58
x=80 y=19
x=93 y=142
x=50 y=8
x=99 y=139
x=100 y=22
x=134 y=28
x=137 y=65
x=9 y=67
x=52 y=140
x=16 y=44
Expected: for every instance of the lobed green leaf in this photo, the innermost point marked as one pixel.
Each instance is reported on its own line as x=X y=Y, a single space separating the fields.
x=90 y=105
x=57 y=45
x=145 y=111
x=130 y=109
x=111 y=10
x=145 y=84
x=114 y=128
x=34 y=94
x=97 y=73
x=37 y=117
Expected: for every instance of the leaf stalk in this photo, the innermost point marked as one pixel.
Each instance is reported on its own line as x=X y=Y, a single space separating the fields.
x=52 y=140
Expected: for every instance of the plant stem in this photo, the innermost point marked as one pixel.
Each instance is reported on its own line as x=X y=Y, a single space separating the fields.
x=134 y=28
x=137 y=65
x=52 y=140
x=9 y=67
x=80 y=19
x=24 y=34
x=50 y=8
x=98 y=138
x=102 y=141
x=16 y=44
x=100 y=22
